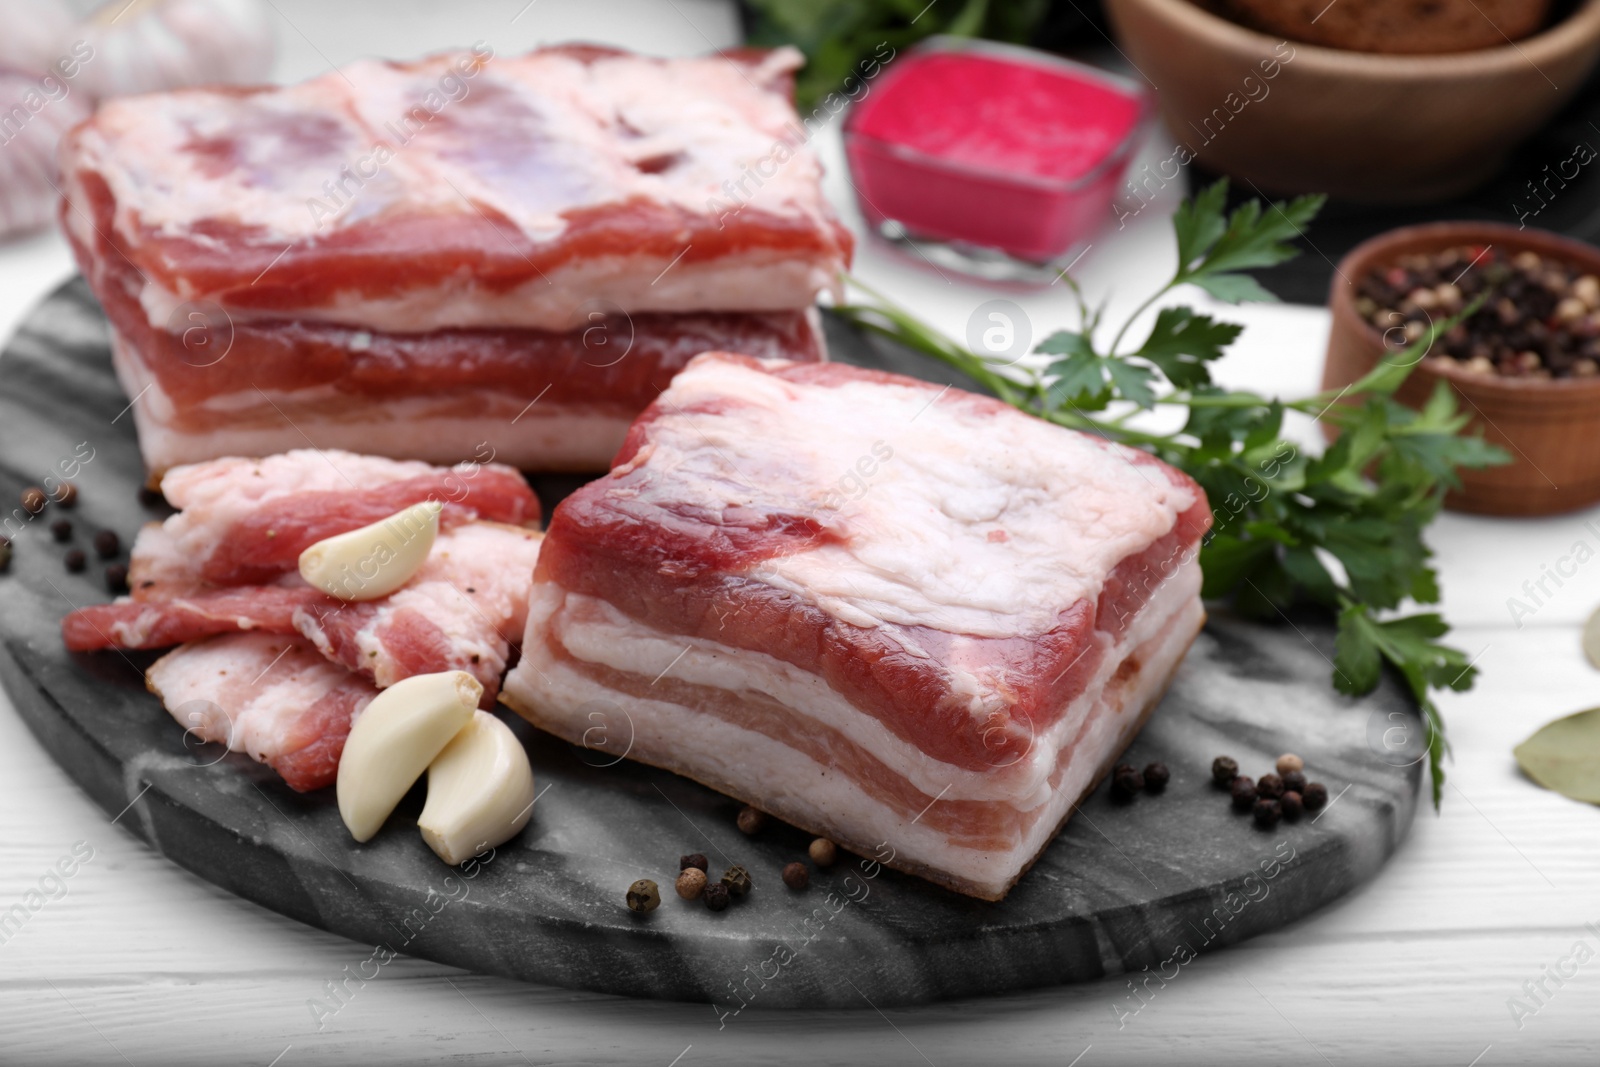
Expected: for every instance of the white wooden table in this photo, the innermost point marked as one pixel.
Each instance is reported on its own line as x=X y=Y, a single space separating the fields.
x=141 y=962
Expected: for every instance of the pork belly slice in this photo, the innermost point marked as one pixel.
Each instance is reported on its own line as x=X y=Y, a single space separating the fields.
x=464 y=610
x=544 y=183
x=246 y=521
x=271 y=697
x=891 y=612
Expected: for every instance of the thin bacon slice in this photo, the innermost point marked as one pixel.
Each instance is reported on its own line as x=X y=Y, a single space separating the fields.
x=273 y=698
x=134 y=624
x=248 y=520
x=464 y=610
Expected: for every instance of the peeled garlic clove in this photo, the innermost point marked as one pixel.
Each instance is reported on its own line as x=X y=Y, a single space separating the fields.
x=148 y=45
x=480 y=791
x=375 y=560
x=41 y=110
x=38 y=33
x=392 y=742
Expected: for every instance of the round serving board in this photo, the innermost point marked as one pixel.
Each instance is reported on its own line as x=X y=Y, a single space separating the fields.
x=1125 y=886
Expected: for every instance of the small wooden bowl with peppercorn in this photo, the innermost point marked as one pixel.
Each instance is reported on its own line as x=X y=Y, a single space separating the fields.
x=1525 y=366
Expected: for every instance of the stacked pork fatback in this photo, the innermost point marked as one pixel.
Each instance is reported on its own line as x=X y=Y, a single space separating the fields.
x=421 y=259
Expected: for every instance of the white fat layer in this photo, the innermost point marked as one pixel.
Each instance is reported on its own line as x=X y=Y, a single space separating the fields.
x=246 y=691
x=793 y=787
x=538 y=437
x=592 y=631
x=956 y=516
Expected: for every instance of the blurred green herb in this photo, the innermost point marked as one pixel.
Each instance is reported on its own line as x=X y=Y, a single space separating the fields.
x=837 y=35
x=1281 y=518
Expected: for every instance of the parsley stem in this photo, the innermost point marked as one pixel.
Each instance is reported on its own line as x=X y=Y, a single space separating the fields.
x=1116 y=341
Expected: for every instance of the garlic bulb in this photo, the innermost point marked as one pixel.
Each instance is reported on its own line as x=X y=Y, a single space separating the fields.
x=37 y=33
x=143 y=46
x=34 y=113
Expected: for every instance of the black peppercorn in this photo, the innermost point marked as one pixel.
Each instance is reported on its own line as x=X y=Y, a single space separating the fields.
x=1314 y=796
x=1156 y=777
x=693 y=859
x=1126 y=783
x=1224 y=769
x=75 y=560
x=107 y=544
x=1291 y=804
x=1269 y=786
x=737 y=879
x=1244 y=792
x=643 y=896
x=715 y=896
x=34 y=500
x=795 y=876
x=66 y=494
x=117 y=579
x=1294 y=781
x=750 y=820
x=1266 y=813
x=61 y=530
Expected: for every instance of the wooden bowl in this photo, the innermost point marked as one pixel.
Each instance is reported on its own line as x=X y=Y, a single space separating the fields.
x=1287 y=117
x=1387 y=26
x=1550 y=427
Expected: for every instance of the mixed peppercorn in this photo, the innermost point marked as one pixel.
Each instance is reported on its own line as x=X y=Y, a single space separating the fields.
x=694 y=873
x=1274 y=796
x=1540 y=317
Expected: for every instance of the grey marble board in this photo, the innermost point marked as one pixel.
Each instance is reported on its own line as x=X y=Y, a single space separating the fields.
x=1125 y=886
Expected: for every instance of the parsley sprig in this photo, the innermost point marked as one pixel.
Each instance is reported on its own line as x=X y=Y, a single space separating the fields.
x=1342 y=530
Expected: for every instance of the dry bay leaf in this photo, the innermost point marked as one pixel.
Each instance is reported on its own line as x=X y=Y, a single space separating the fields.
x=1564 y=756
x=1591 y=639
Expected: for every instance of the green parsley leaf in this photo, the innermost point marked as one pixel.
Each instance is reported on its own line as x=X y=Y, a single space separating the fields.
x=1181 y=343
x=1342 y=530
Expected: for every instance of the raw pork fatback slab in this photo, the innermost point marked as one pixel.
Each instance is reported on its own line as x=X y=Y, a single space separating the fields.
x=423 y=259
x=464 y=190
x=890 y=614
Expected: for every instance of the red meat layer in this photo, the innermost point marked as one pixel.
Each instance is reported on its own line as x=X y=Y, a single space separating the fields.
x=320 y=734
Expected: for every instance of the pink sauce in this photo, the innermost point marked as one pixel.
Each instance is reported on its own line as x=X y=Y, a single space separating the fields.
x=993 y=146
x=999 y=115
